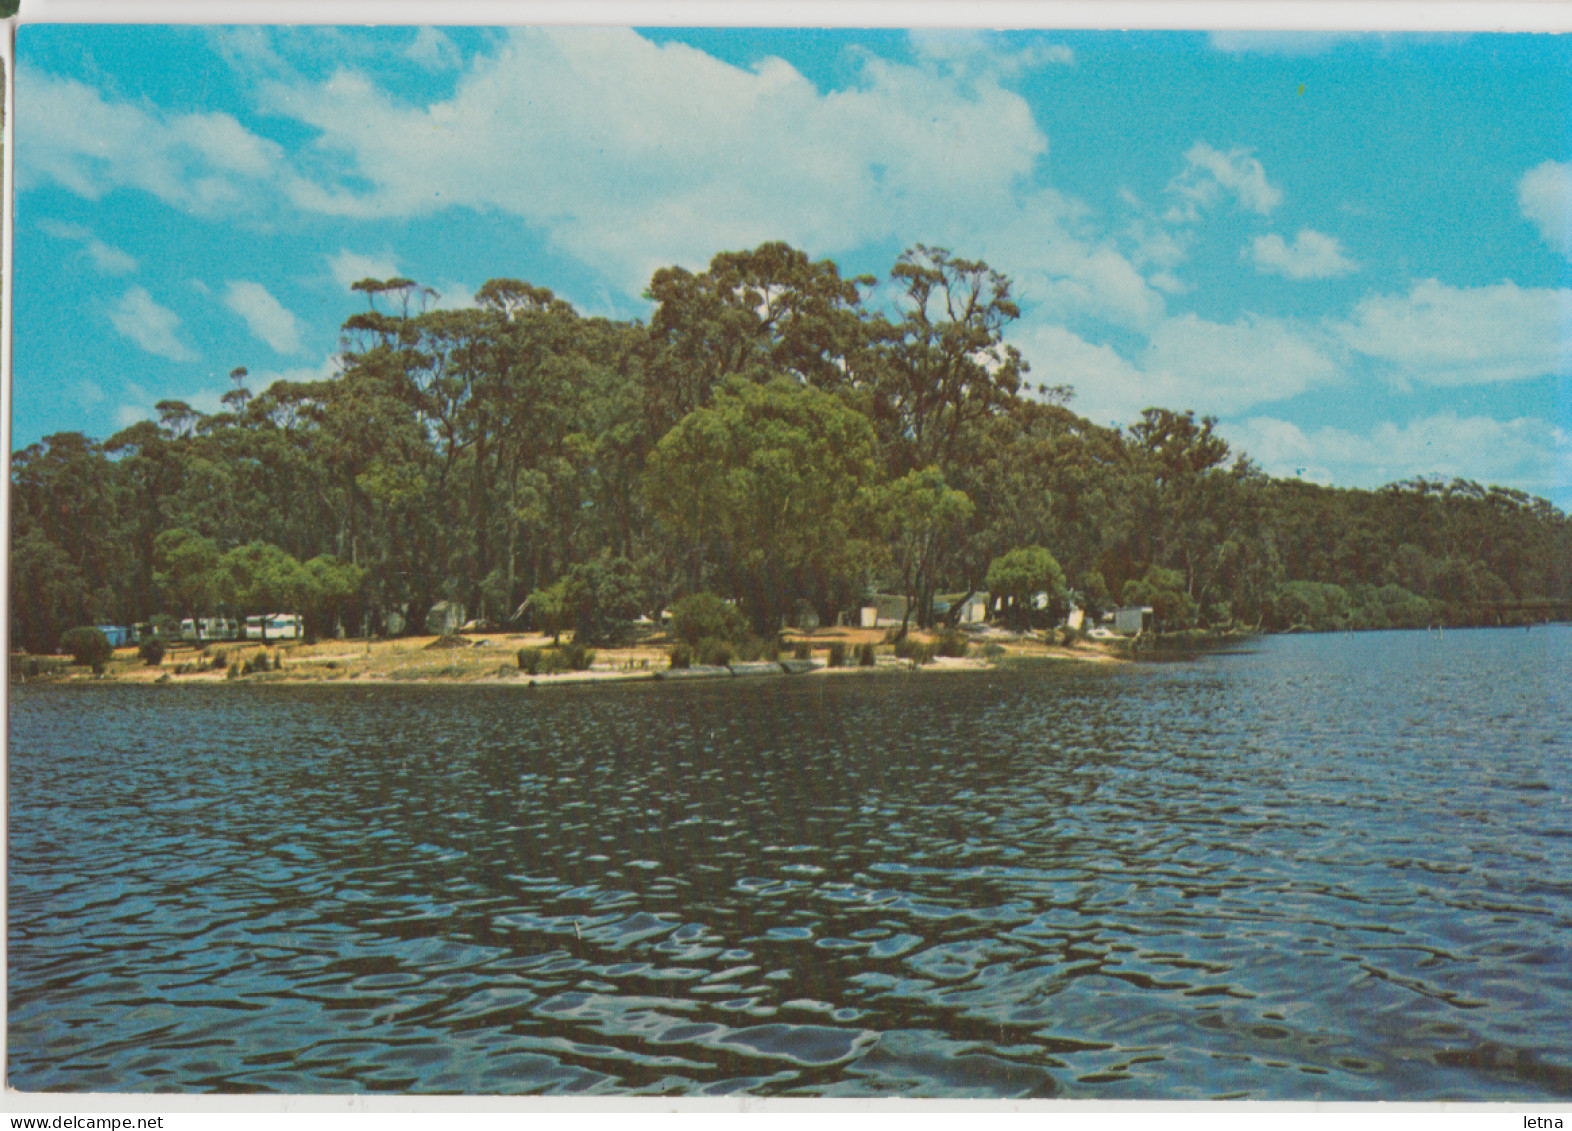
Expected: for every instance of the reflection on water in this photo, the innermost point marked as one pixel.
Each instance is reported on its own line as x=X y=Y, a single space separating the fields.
x=1335 y=867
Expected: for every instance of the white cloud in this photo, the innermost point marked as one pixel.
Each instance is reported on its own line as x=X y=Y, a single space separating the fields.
x=633 y=155
x=1545 y=195
x=1448 y=336
x=152 y=327
x=1282 y=42
x=1526 y=453
x=433 y=50
x=1209 y=173
x=266 y=317
x=349 y=267
x=1189 y=362
x=77 y=138
x=1312 y=255
x=108 y=259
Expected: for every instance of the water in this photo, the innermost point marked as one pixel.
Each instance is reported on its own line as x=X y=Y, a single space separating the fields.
x=1327 y=867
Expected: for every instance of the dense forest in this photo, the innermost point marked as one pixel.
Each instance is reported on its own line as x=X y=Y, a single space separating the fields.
x=768 y=436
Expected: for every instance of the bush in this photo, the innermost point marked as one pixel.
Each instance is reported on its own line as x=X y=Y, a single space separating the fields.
x=838 y=654
x=953 y=643
x=220 y=660
x=714 y=653
x=151 y=652
x=802 y=651
x=909 y=649
x=755 y=649
x=681 y=656
x=88 y=646
x=576 y=657
x=865 y=656
x=992 y=649
x=702 y=616
x=234 y=671
x=530 y=660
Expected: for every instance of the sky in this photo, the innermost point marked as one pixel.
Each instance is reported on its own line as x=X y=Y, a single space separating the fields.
x=1355 y=251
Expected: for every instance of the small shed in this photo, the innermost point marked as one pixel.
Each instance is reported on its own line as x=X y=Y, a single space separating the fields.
x=1132 y=620
x=116 y=633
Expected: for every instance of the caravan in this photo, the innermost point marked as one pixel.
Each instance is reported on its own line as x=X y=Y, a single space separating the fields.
x=200 y=630
x=275 y=626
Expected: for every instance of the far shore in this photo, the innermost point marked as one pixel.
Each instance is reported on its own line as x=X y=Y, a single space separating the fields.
x=491 y=659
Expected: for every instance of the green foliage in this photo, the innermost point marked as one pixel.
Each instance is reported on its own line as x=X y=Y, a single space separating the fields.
x=952 y=643
x=865 y=657
x=906 y=648
x=769 y=476
x=1163 y=590
x=576 y=657
x=88 y=646
x=1018 y=576
x=837 y=657
x=802 y=650
x=701 y=615
x=764 y=437
x=713 y=652
x=530 y=660
x=681 y=656
x=151 y=652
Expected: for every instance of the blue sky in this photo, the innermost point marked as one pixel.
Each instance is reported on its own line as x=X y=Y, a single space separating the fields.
x=1353 y=250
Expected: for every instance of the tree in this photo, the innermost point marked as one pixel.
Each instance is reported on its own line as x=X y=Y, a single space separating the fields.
x=88 y=646
x=1163 y=590
x=764 y=483
x=920 y=518
x=704 y=616
x=186 y=571
x=1019 y=575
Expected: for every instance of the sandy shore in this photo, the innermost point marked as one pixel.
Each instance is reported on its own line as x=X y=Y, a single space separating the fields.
x=491 y=658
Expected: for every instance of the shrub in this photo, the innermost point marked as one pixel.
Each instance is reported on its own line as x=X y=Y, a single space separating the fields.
x=88 y=646
x=953 y=643
x=234 y=671
x=576 y=657
x=909 y=649
x=278 y=661
x=755 y=649
x=702 y=616
x=802 y=651
x=838 y=654
x=715 y=653
x=530 y=660
x=865 y=656
x=992 y=649
x=681 y=656
x=151 y=651
x=220 y=660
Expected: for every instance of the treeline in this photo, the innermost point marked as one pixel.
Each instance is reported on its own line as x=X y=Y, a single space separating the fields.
x=769 y=436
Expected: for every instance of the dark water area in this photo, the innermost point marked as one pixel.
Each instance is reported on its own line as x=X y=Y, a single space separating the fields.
x=1326 y=867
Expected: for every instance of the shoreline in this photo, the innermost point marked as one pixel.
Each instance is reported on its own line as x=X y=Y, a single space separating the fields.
x=489 y=660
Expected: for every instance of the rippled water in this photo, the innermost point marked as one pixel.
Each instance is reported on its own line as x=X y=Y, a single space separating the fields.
x=1328 y=867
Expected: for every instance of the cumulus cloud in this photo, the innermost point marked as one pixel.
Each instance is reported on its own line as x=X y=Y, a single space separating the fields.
x=1442 y=335
x=1545 y=196
x=1311 y=256
x=108 y=259
x=1528 y=453
x=154 y=328
x=349 y=267
x=635 y=155
x=266 y=317
x=1189 y=362
x=433 y=50
x=1209 y=174
x=90 y=145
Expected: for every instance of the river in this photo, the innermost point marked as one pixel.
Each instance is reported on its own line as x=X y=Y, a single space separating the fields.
x=1318 y=867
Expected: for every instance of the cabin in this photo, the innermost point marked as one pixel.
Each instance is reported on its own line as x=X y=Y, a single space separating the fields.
x=1132 y=620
